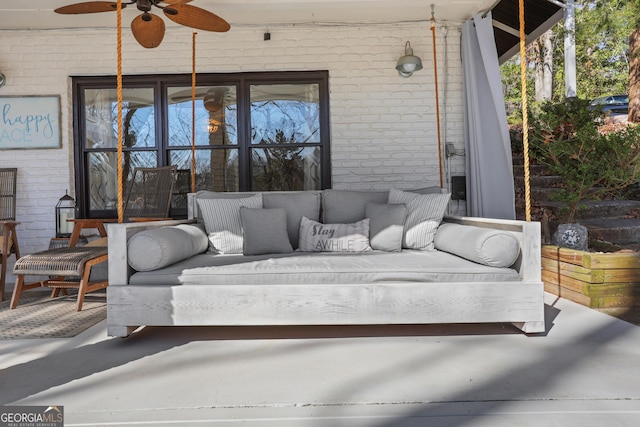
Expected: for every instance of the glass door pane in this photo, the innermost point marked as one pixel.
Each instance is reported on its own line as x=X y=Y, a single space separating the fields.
x=216 y=118
x=285 y=169
x=285 y=126
x=100 y=142
x=101 y=113
x=216 y=169
x=285 y=113
x=103 y=175
x=216 y=126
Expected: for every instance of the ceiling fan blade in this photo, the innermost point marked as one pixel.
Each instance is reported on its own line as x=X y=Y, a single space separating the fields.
x=195 y=17
x=148 y=31
x=88 y=7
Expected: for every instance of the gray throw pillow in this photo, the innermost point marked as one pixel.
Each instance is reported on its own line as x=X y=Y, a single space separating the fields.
x=223 y=224
x=265 y=231
x=386 y=226
x=159 y=247
x=297 y=204
x=424 y=214
x=318 y=237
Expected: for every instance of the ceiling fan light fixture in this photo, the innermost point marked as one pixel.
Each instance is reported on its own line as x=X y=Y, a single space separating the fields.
x=148 y=29
x=409 y=63
x=144 y=5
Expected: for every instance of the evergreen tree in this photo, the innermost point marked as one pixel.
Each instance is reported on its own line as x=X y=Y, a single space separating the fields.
x=612 y=13
x=607 y=34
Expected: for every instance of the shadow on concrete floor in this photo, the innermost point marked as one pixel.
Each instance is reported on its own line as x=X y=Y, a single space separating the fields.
x=628 y=314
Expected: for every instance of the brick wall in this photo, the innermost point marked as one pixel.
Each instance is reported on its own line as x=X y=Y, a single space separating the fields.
x=383 y=129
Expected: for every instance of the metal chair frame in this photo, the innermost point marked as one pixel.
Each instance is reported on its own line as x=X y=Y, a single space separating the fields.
x=8 y=237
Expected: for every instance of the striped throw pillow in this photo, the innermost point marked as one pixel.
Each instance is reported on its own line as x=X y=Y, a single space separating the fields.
x=424 y=214
x=223 y=223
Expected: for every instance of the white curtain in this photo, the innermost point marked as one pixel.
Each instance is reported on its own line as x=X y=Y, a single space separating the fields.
x=489 y=170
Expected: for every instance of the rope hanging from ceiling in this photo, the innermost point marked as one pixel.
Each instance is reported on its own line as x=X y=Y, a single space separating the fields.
x=435 y=73
x=525 y=117
x=193 y=112
x=120 y=130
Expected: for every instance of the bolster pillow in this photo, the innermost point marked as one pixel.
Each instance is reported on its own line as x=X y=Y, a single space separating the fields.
x=159 y=247
x=490 y=247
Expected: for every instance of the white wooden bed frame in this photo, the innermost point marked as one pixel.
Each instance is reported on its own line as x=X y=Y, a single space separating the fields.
x=520 y=303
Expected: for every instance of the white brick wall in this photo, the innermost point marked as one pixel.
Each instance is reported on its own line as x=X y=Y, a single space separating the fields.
x=383 y=126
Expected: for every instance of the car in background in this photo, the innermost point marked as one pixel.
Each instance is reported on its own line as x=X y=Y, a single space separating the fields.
x=612 y=105
x=611 y=99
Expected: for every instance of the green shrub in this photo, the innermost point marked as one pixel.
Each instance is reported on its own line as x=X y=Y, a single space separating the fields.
x=565 y=137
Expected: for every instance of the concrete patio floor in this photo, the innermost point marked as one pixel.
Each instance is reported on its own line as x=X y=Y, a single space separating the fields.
x=585 y=371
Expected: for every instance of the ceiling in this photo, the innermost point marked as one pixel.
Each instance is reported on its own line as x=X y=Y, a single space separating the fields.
x=38 y=14
x=540 y=15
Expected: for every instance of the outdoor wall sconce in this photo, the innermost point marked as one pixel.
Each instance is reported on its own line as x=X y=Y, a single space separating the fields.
x=3 y=79
x=65 y=209
x=408 y=63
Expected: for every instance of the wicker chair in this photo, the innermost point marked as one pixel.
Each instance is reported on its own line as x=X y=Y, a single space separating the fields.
x=8 y=238
x=149 y=194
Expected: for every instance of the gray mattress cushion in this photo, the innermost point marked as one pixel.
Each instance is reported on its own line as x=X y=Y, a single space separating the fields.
x=324 y=268
x=170 y=275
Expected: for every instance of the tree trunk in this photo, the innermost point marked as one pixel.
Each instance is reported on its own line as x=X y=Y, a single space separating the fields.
x=634 y=76
x=547 y=59
x=544 y=67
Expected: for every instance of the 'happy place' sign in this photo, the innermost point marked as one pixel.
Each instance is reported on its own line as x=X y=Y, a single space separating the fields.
x=29 y=122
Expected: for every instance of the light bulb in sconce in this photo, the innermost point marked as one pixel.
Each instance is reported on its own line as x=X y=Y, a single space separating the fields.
x=213 y=126
x=409 y=68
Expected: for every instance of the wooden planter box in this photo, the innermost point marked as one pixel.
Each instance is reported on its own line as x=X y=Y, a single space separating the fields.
x=597 y=280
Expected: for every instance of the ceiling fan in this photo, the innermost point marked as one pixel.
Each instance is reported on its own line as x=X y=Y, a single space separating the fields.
x=147 y=28
x=213 y=99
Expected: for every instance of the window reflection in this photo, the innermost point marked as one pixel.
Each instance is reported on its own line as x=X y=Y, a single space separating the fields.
x=286 y=117
x=215 y=121
x=216 y=170
x=285 y=169
x=215 y=116
x=103 y=175
x=138 y=119
x=249 y=134
x=285 y=113
x=101 y=133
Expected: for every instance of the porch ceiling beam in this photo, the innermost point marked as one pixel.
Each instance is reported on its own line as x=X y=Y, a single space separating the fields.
x=558 y=3
x=506 y=28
